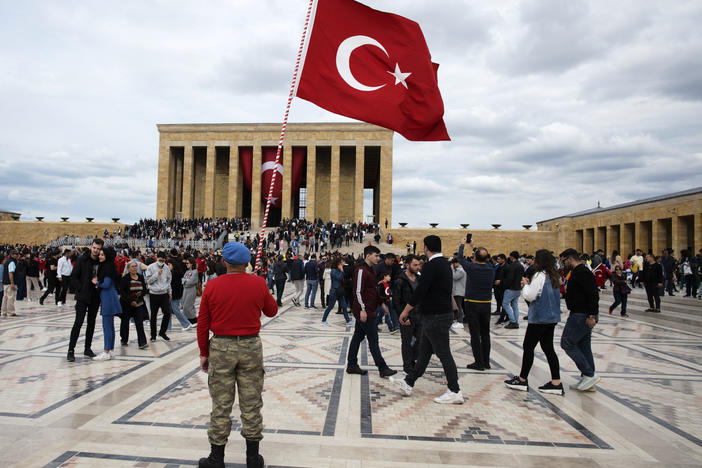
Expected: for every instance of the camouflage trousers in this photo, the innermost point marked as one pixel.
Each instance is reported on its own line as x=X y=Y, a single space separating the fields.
x=235 y=366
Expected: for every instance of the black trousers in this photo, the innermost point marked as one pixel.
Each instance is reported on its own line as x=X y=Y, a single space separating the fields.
x=653 y=295
x=410 y=336
x=279 y=288
x=322 y=294
x=161 y=301
x=541 y=333
x=82 y=309
x=138 y=314
x=499 y=294
x=65 y=283
x=51 y=288
x=478 y=315
x=435 y=340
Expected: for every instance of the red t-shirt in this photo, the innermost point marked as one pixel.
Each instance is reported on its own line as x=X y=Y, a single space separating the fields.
x=231 y=305
x=201 y=264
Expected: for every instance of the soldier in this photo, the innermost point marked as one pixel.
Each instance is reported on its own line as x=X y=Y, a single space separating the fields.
x=231 y=308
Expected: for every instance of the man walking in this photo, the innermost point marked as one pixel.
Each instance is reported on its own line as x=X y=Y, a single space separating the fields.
x=50 y=275
x=513 y=273
x=480 y=277
x=311 y=280
x=582 y=297
x=63 y=276
x=434 y=295
x=280 y=276
x=231 y=308
x=410 y=332
x=158 y=280
x=652 y=277
x=297 y=277
x=366 y=294
x=83 y=278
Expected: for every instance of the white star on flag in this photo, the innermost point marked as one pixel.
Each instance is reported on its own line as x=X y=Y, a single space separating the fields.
x=399 y=76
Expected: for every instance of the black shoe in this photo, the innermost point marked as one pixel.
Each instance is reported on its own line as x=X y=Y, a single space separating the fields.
x=41 y=301
x=548 y=387
x=144 y=346
x=495 y=313
x=70 y=357
x=512 y=325
x=216 y=458
x=526 y=317
x=280 y=304
x=387 y=372
x=515 y=384
x=500 y=322
x=253 y=458
x=356 y=370
x=487 y=366
x=89 y=353
x=475 y=366
x=164 y=336
x=153 y=338
x=124 y=343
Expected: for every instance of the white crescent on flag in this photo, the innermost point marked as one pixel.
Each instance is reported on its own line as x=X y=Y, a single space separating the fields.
x=270 y=165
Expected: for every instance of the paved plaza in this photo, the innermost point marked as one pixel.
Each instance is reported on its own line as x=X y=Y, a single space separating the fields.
x=150 y=408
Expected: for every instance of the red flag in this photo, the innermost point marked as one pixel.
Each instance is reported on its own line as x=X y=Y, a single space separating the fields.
x=375 y=67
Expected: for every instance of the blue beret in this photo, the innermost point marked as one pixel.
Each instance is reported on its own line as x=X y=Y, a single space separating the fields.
x=235 y=253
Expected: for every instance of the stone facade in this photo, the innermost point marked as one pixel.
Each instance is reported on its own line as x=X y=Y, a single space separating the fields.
x=667 y=221
x=9 y=216
x=199 y=173
x=37 y=233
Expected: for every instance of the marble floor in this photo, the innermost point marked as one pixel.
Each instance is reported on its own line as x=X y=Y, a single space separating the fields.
x=150 y=408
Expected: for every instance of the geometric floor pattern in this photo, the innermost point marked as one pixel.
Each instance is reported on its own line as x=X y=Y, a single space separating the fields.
x=150 y=408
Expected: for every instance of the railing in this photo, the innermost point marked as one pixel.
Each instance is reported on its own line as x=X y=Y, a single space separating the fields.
x=137 y=243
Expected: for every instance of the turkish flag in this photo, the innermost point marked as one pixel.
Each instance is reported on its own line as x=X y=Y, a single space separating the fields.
x=375 y=67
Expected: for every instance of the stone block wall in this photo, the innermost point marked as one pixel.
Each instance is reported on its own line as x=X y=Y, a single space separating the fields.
x=37 y=233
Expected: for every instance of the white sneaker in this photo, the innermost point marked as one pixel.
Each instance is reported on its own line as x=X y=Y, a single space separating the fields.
x=450 y=397
x=457 y=325
x=188 y=327
x=59 y=304
x=588 y=382
x=103 y=356
x=43 y=289
x=402 y=385
x=326 y=324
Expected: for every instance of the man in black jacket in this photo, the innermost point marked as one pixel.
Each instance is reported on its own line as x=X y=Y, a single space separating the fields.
x=410 y=332
x=434 y=295
x=582 y=297
x=280 y=276
x=653 y=282
x=477 y=297
x=87 y=297
x=513 y=272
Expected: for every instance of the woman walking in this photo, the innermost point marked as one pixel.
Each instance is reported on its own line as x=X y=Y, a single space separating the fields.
x=109 y=300
x=543 y=294
x=337 y=291
x=620 y=290
x=132 y=289
x=189 y=291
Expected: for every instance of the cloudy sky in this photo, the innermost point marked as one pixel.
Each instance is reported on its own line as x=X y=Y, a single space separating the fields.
x=552 y=106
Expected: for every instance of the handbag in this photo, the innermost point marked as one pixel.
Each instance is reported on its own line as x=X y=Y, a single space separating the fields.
x=625 y=289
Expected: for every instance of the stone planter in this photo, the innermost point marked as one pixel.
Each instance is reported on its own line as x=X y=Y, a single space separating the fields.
x=496 y=226
x=16 y=217
x=527 y=226
x=403 y=224
x=433 y=225
x=114 y=220
x=90 y=220
x=64 y=219
x=39 y=218
x=465 y=225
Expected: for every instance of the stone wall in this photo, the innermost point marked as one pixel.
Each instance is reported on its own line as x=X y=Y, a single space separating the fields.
x=495 y=240
x=37 y=233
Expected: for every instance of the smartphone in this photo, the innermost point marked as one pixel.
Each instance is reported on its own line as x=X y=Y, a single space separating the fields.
x=469 y=238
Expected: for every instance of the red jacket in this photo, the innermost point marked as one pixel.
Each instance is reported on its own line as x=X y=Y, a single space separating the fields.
x=201 y=264
x=231 y=305
x=365 y=291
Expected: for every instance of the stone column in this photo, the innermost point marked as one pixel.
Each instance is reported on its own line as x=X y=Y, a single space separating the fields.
x=612 y=240
x=188 y=176
x=676 y=227
x=234 y=190
x=696 y=240
x=256 y=209
x=210 y=169
x=385 y=201
x=641 y=236
x=588 y=241
x=335 y=179
x=358 y=183
x=625 y=246
x=286 y=202
x=178 y=187
x=597 y=240
x=311 y=171
x=657 y=236
x=164 y=171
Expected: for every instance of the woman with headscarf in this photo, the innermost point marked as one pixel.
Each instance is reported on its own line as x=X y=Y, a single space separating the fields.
x=189 y=281
x=133 y=289
x=109 y=300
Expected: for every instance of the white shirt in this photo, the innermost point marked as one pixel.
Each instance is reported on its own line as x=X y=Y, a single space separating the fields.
x=65 y=268
x=533 y=290
x=435 y=255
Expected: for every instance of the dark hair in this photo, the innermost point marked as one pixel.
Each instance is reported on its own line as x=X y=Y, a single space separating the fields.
x=433 y=243
x=481 y=254
x=411 y=257
x=98 y=241
x=514 y=254
x=544 y=261
x=369 y=250
x=570 y=253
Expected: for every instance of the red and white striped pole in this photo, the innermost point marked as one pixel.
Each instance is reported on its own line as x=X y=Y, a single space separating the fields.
x=282 y=137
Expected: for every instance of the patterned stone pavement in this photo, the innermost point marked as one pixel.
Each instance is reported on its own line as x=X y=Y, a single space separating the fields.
x=150 y=408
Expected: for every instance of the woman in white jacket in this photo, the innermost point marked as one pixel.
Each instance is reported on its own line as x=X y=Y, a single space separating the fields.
x=544 y=296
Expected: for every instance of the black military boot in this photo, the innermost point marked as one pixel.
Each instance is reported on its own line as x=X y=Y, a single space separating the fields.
x=216 y=458
x=253 y=459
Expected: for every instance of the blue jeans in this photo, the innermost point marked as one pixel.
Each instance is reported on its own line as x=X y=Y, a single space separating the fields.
x=510 y=304
x=175 y=307
x=332 y=302
x=367 y=330
x=391 y=319
x=108 y=331
x=311 y=291
x=575 y=341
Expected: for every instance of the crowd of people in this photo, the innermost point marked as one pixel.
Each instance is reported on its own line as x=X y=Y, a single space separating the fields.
x=421 y=297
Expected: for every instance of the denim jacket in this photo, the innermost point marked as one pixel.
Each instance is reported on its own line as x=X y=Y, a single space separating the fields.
x=546 y=307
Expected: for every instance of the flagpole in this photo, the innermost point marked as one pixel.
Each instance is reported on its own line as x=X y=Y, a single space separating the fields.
x=293 y=86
